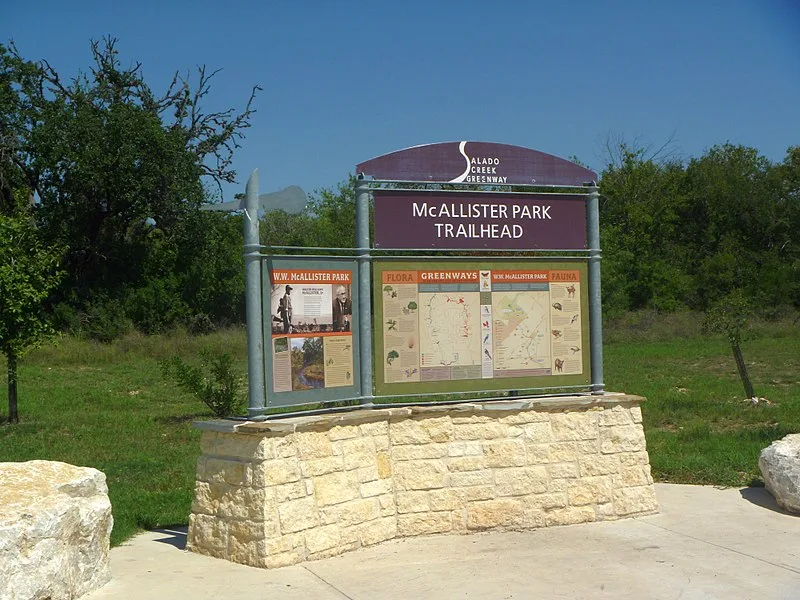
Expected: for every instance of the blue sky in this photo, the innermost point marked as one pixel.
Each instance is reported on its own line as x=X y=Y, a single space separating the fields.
x=346 y=81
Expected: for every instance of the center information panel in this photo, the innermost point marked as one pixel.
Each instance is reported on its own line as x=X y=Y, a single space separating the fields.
x=494 y=325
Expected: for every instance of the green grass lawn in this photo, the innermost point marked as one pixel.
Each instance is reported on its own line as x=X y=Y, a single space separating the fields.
x=109 y=407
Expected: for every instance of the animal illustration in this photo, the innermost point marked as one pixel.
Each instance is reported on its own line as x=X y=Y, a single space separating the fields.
x=571 y=291
x=556 y=333
x=557 y=305
x=410 y=372
x=486 y=352
x=574 y=318
x=574 y=349
x=392 y=325
x=559 y=365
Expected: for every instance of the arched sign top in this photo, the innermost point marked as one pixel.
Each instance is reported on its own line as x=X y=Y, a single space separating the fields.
x=479 y=163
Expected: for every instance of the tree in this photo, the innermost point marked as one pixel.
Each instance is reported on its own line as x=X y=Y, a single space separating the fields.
x=28 y=274
x=105 y=156
x=728 y=316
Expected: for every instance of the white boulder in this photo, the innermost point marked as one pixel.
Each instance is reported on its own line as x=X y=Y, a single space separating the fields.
x=55 y=525
x=780 y=468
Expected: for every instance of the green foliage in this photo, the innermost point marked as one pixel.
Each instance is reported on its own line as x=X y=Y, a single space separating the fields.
x=729 y=316
x=119 y=174
x=214 y=382
x=678 y=237
x=29 y=271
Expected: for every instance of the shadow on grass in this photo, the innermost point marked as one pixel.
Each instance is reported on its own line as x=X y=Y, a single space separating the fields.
x=176 y=536
x=180 y=419
x=761 y=497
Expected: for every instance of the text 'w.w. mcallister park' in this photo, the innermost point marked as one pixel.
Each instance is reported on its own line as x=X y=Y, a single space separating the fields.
x=443 y=376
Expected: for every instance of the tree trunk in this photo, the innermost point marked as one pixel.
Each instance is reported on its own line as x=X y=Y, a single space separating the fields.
x=13 y=415
x=737 y=354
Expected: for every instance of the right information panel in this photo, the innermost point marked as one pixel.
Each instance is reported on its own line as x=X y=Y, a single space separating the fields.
x=456 y=326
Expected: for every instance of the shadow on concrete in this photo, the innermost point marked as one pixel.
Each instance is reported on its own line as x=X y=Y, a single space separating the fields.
x=761 y=497
x=176 y=536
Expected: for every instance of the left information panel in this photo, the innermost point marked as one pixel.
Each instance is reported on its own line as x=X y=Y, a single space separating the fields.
x=310 y=330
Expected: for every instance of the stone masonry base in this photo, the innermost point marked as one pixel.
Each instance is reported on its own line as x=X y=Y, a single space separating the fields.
x=280 y=492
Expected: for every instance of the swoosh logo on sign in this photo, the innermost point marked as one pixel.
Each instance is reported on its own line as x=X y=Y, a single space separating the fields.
x=463 y=176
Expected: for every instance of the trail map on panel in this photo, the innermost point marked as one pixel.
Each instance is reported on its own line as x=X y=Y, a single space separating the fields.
x=444 y=325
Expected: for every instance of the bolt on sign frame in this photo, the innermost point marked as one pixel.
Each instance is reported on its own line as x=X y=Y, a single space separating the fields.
x=483 y=279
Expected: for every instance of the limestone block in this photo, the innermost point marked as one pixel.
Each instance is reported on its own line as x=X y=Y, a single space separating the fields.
x=636 y=414
x=635 y=500
x=237 y=446
x=419 y=451
x=290 y=491
x=345 y=432
x=570 y=516
x=376 y=488
x=378 y=428
x=502 y=512
x=617 y=415
x=547 y=501
x=297 y=515
x=590 y=490
x=276 y=472
x=537 y=454
x=358 y=511
x=247 y=551
x=624 y=438
x=408 y=431
x=55 y=524
x=780 y=467
x=521 y=481
x=322 y=466
x=537 y=432
x=528 y=416
x=466 y=463
x=313 y=444
x=504 y=453
x=208 y=535
x=478 y=492
x=335 y=488
x=424 y=523
x=636 y=475
x=409 y=502
x=322 y=538
x=568 y=470
x=378 y=531
x=599 y=464
x=384 y=465
x=358 y=452
x=446 y=499
x=562 y=452
x=420 y=474
x=367 y=474
x=480 y=431
x=223 y=470
x=439 y=429
x=574 y=426
x=469 y=478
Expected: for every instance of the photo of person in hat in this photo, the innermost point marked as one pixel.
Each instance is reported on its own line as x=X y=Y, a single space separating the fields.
x=285 y=310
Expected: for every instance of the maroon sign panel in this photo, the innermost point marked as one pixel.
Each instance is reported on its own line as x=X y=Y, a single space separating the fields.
x=480 y=163
x=408 y=219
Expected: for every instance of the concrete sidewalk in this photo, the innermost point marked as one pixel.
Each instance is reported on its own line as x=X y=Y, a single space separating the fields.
x=705 y=543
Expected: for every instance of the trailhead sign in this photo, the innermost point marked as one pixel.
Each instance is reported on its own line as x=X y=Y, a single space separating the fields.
x=394 y=319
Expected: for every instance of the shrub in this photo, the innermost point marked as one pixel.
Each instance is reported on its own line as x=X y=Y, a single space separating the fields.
x=214 y=382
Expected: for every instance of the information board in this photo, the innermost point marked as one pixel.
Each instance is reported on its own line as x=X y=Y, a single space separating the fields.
x=489 y=325
x=310 y=316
